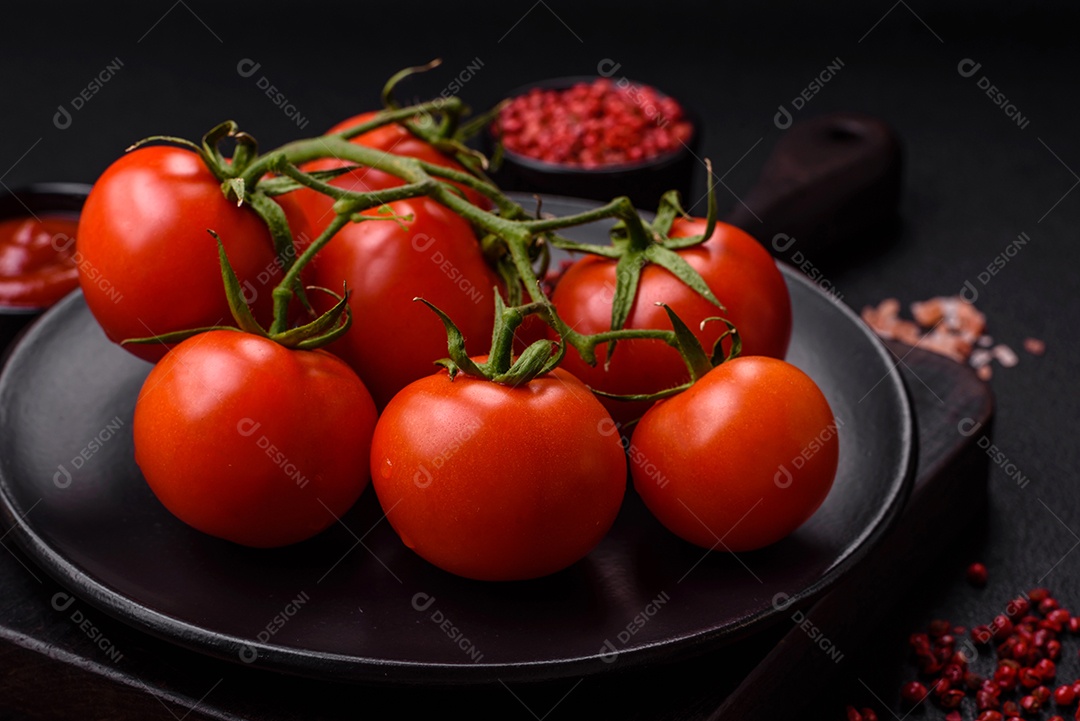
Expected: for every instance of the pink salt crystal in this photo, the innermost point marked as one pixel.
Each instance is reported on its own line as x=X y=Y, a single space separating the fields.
x=948 y=344
x=927 y=313
x=949 y=307
x=906 y=332
x=970 y=321
x=953 y=326
x=1005 y=355
x=980 y=357
x=884 y=318
x=1034 y=346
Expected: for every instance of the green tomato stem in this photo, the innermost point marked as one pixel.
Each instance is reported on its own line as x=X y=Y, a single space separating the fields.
x=513 y=239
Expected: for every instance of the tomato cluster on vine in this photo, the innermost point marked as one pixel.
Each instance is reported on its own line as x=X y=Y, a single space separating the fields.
x=294 y=365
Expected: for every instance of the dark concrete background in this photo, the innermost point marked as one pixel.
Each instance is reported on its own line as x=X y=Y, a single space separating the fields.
x=975 y=179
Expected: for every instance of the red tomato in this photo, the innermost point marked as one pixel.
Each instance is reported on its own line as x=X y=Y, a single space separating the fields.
x=739 y=271
x=392 y=138
x=37 y=260
x=498 y=483
x=740 y=459
x=249 y=441
x=147 y=264
x=394 y=340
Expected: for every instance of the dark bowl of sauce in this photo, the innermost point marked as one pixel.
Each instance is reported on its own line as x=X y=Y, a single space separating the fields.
x=38 y=256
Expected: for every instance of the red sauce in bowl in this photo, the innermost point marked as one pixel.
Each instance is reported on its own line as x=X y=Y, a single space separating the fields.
x=37 y=260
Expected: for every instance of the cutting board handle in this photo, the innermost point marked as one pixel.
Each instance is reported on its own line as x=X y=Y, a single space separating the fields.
x=829 y=181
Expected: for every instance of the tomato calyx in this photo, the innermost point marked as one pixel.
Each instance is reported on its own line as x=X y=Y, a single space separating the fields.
x=636 y=243
x=324 y=329
x=237 y=187
x=540 y=357
x=447 y=135
x=543 y=356
x=698 y=361
x=248 y=177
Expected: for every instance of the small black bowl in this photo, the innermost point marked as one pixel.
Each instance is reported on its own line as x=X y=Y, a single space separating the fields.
x=38 y=198
x=644 y=182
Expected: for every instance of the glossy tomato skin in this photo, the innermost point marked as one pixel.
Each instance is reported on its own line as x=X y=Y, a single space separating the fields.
x=248 y=441
x=392 y=138
x=496 y=483
x=147 y=264
x=393 y=339
x=739 y=271
x=739 y=460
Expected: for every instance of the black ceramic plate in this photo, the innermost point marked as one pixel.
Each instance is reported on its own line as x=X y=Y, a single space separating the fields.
x=355 y=604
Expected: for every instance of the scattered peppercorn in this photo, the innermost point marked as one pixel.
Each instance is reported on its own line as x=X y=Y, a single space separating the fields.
x=864 y=714
x=1026 y=640
x=1045 y=669
x=1030 y=704
x=913 y=692
x=977 y=575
